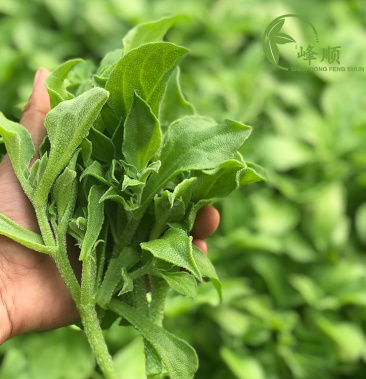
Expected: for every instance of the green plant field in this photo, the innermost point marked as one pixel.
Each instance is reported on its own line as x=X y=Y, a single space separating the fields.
x=290 y=251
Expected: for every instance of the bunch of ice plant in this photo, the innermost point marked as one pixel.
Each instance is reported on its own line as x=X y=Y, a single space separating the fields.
x=124 y=169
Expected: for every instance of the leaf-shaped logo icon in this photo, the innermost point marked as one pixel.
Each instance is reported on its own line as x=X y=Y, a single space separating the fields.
x=272 y=38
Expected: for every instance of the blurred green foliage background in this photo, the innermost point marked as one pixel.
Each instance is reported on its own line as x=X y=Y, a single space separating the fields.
x=290 y=251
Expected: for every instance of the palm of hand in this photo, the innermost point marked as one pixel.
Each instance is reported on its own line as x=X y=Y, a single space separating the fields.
x=35 y=295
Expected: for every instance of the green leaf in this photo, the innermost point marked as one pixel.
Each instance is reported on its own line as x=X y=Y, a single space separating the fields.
x=196 y=143
x=127 y=282
x=130 y=359
x=23 y=236
x=71 y=356
x=112 y=194
x=32 y=179
x=86 y=151
x=146 y=70
x=96 y=171
x=20 y=149
x=181 y=282
x=127 y=258
x=103 y=148
x=145 y=173
x=348 y=337
x=95 y=221
x=206 y=268
x=243 y=367
x=44 y=147
x=80 y=78
x=109 y=59
x=306 y=287
x=111 y=121
x=218 y=182
x=166 y=211
x=249 y=176
x=174 y=247
x=147 y=32
x=142 y=134
x=178 y=357
x=174 y=105
x=65 y=193
x=38 y=170
x=55 y=82
x=67 y=125
x=223 y=180
x=128 y=182
x=194 y=210
x=184 y=191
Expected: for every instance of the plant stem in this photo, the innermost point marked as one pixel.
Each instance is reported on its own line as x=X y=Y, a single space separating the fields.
x=63 y=264
x=44 y=225
x=90 y=320
x=96 y=340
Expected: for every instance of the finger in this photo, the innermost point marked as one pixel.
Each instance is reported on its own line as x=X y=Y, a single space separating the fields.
x=201 y=244
x=207 y=221
x=37 y=108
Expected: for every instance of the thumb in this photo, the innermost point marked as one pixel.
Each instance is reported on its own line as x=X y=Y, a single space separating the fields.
x=37 y=108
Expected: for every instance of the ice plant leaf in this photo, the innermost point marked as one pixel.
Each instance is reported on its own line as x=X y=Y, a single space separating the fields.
x=174 y=247
x=65 y=193
x=127 y=282
x=96 y=171
x=55 y=82
x=94 y=221
x=103 y=148
x=248 y=176
x=20 y=148
x=175 y=105
x=23 y=236
x=142 y=134
x=181 y=282
x=147 y=32
x=206 y=268
x=178 y=357
x=196 y=143
x=67 y=125
x=184 y=190
x=146 y=70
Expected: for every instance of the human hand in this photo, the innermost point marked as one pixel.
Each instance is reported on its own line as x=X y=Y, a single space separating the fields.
x=33 y=295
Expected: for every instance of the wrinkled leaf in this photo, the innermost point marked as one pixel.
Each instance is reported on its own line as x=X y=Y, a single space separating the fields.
x=178 y=357
x=175 y=246
x=67 y=125
x=23 y=236
x=55 y=82
x=94 y=221
x=20 y=148
x=142 y=134
x=146 y=70
x=147 y=32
